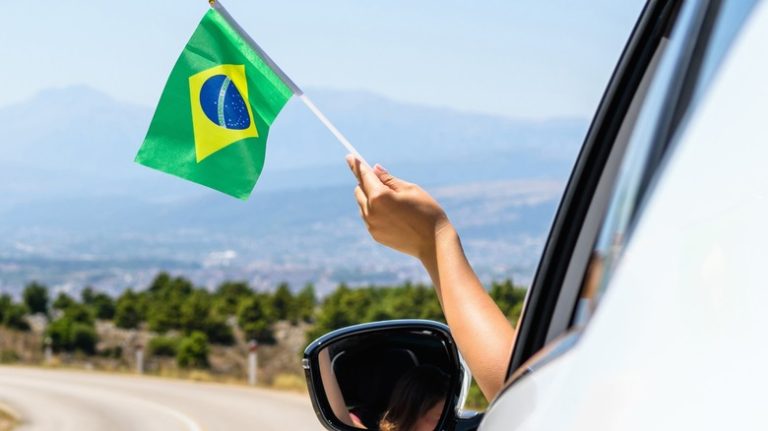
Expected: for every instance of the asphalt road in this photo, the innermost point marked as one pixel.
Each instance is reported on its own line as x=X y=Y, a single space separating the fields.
x=88 y=401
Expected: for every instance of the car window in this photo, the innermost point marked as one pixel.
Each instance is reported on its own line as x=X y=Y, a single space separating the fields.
x=643 y=156
x=550 y=300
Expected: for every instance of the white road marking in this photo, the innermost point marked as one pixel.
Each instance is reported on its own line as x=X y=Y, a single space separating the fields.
x=186 y=420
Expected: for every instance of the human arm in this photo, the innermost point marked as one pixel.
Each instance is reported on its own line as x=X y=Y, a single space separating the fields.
x=333 y=392
x=403 y=216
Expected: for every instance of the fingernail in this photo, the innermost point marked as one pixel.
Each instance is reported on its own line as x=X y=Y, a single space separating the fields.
x=380 y=169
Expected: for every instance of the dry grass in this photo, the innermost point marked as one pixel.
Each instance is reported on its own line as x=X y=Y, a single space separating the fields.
x=8 y=419
x=290 y=382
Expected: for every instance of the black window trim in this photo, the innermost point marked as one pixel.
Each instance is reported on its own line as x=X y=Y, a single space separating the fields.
x=544 y=292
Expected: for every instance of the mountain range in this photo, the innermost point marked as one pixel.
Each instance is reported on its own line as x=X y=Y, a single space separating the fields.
x=77 y=210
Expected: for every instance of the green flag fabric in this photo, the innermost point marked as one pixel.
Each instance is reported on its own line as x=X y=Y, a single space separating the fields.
x=213 y=118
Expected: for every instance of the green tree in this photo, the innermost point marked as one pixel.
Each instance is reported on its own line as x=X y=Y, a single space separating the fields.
x=195 y=311
x=159 y=283
x=128 y=310
x=36 y=297
x=343 y=307
x=87 y=295
x=164 y=285
x=306 y=301
x=283 y=303
x=79 y=313
x=410 y=301
x=63 y=301
x=255 y=318
x=197 y=314
x=229 y=294
x=193 y=351
x=102 y=304
x=166 y=297
x=218 y=331
x=163 y=316
x=14 y=317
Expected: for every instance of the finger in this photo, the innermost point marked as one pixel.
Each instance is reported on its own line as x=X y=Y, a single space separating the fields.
x=368 y=181
x=351 y=163
x=388 y=179
x=362 y=201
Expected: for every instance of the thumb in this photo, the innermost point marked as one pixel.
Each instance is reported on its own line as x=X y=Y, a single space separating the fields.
x=387 y=179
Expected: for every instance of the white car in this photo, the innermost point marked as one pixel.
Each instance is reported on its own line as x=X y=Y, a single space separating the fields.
x=649 y=308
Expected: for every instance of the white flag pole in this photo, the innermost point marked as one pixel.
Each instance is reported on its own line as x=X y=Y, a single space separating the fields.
x=288 y=81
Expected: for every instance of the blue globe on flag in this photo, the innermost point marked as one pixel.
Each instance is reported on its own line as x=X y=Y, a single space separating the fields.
x=223 y=104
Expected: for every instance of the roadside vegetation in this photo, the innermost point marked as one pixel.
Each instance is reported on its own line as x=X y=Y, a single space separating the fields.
x=188 y=331
x=7 y=420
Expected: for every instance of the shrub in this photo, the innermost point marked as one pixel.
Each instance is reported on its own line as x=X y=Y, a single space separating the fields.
x=163 y=346
x=8 y=356
x=114 y=352
x=193 y=351
x=83 y=338
x=14 y=317
x=74 y=331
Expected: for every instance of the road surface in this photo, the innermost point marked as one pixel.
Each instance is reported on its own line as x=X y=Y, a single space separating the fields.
x=89 y=401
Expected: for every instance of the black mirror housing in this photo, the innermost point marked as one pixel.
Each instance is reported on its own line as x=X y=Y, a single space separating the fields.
x=353 y=374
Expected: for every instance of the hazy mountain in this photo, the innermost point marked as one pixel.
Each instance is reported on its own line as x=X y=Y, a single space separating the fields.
x=76 y=208
x=70 y=137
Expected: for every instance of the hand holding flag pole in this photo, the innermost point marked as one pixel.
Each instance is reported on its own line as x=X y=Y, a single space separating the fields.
x=215 y=4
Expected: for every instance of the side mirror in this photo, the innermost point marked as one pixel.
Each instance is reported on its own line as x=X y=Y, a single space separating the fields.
x=393 y=375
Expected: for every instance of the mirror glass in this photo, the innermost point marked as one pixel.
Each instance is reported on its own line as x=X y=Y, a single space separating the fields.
x=394 y=380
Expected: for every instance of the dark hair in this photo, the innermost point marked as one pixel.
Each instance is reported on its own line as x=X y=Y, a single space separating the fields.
x=417 y=391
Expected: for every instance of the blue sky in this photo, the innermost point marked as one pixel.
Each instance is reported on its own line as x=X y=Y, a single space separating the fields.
x=530 y=59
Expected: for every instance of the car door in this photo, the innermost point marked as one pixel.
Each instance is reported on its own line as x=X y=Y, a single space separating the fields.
x=669 y=63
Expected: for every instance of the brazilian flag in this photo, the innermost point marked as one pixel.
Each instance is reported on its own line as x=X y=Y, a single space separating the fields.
x=214 y=115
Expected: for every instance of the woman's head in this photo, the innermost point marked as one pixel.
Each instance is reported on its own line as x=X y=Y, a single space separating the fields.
x=417 y=400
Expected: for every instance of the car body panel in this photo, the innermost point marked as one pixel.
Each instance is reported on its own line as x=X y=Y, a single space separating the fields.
x=678 y=340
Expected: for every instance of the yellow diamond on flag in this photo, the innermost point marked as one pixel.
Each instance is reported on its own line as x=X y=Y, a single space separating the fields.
x=221 y=111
